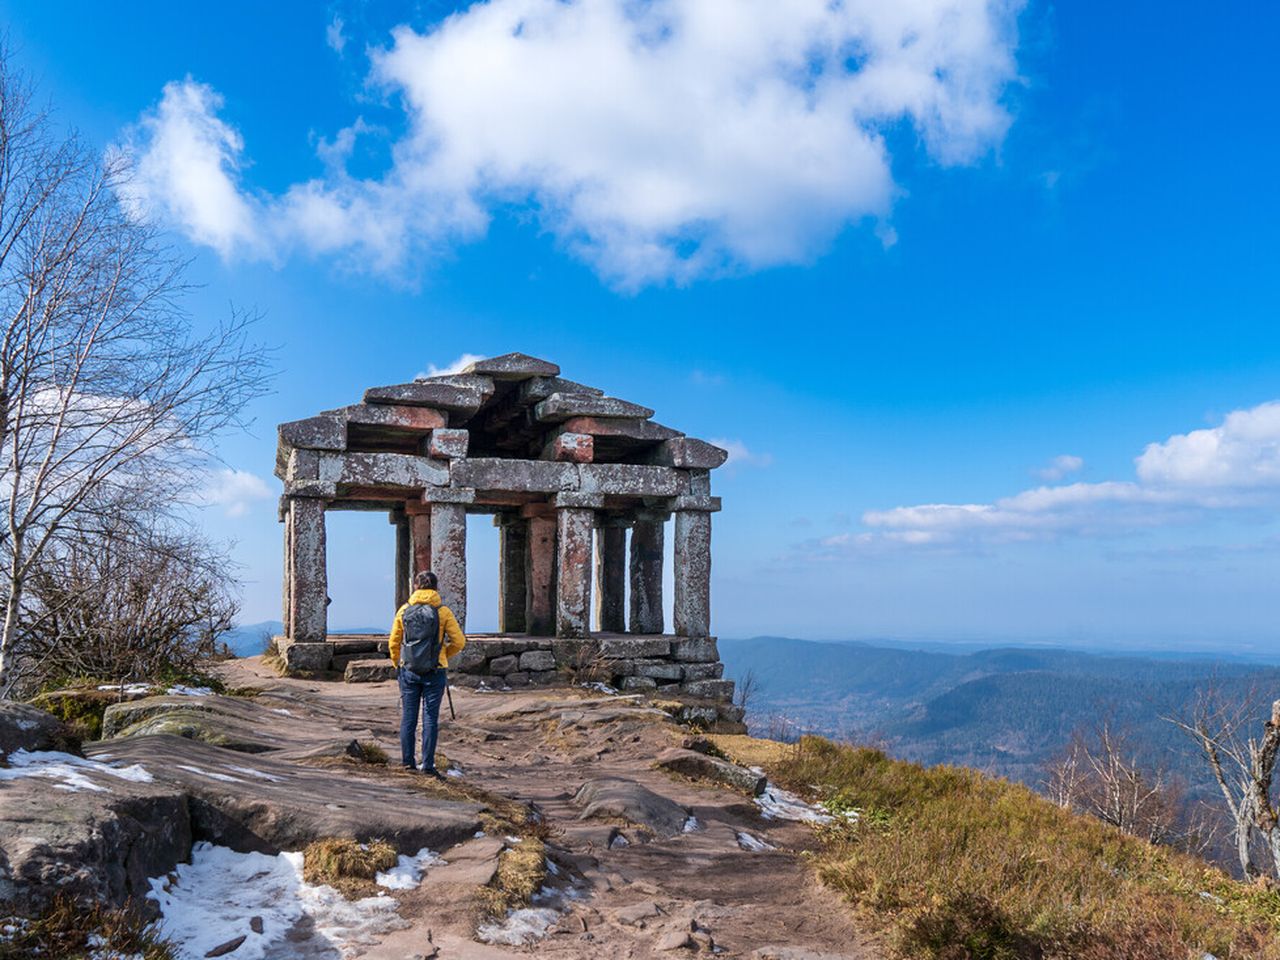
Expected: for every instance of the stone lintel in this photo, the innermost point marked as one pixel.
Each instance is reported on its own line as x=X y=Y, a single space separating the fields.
x=542 y=510
x=696 y=504
x=565 y=406
x=417 y=508
x=641 y=431
x=415 y=419
x=314 y=433
x=447 y=444
x=535 y=476
x=441 y=396
x=532 y=391
x=513 y=366
x=579 y=501
x=468 y=381
x=461 y=495
x=313 y=489
x=570 y=448
x=631 y=480
x=383 y=469
x=688 y=453
x=302 y=465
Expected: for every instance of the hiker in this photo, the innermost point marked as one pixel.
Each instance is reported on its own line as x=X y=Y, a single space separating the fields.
x=423 y=638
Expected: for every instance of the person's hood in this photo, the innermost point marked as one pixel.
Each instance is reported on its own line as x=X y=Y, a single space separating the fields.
x=425 y=596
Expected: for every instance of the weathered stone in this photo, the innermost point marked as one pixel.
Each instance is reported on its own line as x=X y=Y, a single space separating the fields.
x=701 y=504
x=689 y=454
x=306 y=656
x=611 y=578
x=503 y=665
x=513 y=546
x=513 y=366
x=692 y=610
x=420 y=541
x=468 y=381
x=315 y=433
x=695 y=650
x=398 y=470
x=699 y=483
x=540 y=582
x=618 y=668
x=470 y=659
x=525 y=476
x=369 y=671
x=539 y=388
x=462 y=495
x=448 y=444
x=631 y=480
x=411 y=419
x=700 y=766
x=698 y=715
x=224 y=948
x=573 y=571
x=640 y=431
x=404 y=558
x=309 y=616
x=646 y=575
x=537 y=660
x=571 y=448
x=543 y=678
x=710 y=689
x=634 y=648
x=703 y=671
x=517 y=679
x=676 y=940
x=442 y=396
x=639 y=683
x=24 y=727
x=612 y=797
x=449 y=556
x=658 y=669
x=574 y=653
x=565 y=406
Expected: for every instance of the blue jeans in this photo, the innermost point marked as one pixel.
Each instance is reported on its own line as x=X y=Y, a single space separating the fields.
x=420 y=692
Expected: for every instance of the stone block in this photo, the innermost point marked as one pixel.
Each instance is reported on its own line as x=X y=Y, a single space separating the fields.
x=543 y=678
x=462 y=495
x=688 y=453
x=383 y=469
x=574 y=653
x=369 y=671
x=583 y=501
x=631 y=480
x=658 y=669
x=565 y=406
x=448 y=444
x=695 y=650
x=441 y=396
x=618 y=668
x=307 y=657
x=513 y=366
x=413 y=419
x=315 y=433
x=302 y=465
x=571 y=448
x=517 y=679
x=710 y=689
x=539 y=388
x=699 y=715
x=703 y=671
x=629 y=648
x=525 y=476
x=640 y=431
x=639 y=683
x=468 y=381
x=502 y=666
x=537 y=660
x=470 y=659
x=698 y=504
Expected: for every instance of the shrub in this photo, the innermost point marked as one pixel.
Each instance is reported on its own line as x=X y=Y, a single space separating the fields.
x=72 y=930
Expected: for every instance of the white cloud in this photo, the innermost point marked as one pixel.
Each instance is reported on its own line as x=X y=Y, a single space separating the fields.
x=740 y=456
x=234 y=491
x=334 y=36
x=1232 y=466
x=457 y=365
x=1059 y=467
x=661 y=141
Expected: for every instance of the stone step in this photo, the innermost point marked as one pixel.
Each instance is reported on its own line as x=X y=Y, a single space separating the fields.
x=369 y=671
x=347 y=645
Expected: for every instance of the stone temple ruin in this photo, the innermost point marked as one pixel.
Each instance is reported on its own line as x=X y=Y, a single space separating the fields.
x=565 y=472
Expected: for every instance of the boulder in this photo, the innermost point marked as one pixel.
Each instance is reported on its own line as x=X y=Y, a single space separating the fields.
x=224 y=721
x=658 y=669
x=369 y=671
x=254 y=803
x=639 y=683
x=537 y=660
x=24 y=727
x=700 y=766
x=503 y=665
x=611 y=797
x=469 y=659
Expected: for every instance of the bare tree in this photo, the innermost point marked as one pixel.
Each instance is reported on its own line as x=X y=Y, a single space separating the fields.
x=747 y=686
x=106 y=396
x=1243 y=767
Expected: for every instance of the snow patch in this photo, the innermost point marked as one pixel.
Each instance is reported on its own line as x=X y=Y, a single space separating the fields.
x=128 y=689
x=408 y=871
x=519 y=927
x=618 y=842
x=70 y=771
x=691 y=825
x=778 y=804
x=600 y=687
x=211 y=900
x=257 y=774
x=225 y=778
x=747 y=842
x=182 y=690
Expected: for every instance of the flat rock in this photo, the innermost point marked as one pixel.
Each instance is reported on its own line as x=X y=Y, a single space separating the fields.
x=370 y=671
x=636 y=913
x=230 y=722
x=566 y=406
x=514 y=366
x=619 y=797
x=250 y=802
x=24 y=727
x=700 y=766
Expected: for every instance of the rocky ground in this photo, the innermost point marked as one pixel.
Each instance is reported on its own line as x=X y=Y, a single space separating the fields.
x=652 y=849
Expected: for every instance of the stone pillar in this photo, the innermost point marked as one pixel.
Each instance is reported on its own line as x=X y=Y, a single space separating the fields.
x=420 y=539
x=309 y=592
x=611 y=577
x=693 y=573
x=575 y=520
x=449 y=555
x=646 y=572
x=403 y=557
x=513 y=592
x=286 y=587
x=540 y=571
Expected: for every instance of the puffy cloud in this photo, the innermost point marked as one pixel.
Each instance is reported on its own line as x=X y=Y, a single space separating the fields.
x=1231 y=466
x=659 y=141
x=234 y=491
x=740 y=456
x=457 y=365
x=1059 y=467
x=334 y=37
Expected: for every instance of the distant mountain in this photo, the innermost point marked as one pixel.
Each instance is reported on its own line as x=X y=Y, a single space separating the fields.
x=251 y=639
x=1006 y=711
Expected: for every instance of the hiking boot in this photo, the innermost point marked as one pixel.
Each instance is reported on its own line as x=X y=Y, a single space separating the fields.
x=433 y=773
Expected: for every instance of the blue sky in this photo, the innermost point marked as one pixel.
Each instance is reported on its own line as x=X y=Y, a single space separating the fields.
x=942 y=297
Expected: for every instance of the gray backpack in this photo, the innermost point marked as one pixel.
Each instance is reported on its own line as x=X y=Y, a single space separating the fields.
x=420 y=651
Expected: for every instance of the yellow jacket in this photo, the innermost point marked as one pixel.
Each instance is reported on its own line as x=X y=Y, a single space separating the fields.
x=452 y=635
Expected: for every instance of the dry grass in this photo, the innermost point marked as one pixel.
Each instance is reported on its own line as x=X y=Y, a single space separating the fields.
x=522 y=870
x=347 y=866
x=64 y=929
x=952 y=865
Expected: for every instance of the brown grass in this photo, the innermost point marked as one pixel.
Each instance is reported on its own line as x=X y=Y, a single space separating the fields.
x=952 y=865
x=347 y=866
x=64 y=928
x=522 y=870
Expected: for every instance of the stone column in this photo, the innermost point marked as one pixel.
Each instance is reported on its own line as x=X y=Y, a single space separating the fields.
x=540 y=571
x=403 y=557
x=309 y=592
x=420 y=538
x=611 y=576
x=449 y=555
x=575 y=520
x=513 y=592
x=286 y=587
x=693 y=573
x=646 y=572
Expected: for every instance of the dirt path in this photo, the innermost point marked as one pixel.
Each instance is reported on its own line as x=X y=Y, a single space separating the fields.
x=623 y=894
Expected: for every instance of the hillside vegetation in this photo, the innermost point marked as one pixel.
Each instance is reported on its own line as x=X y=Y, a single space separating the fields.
x=951 y=864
